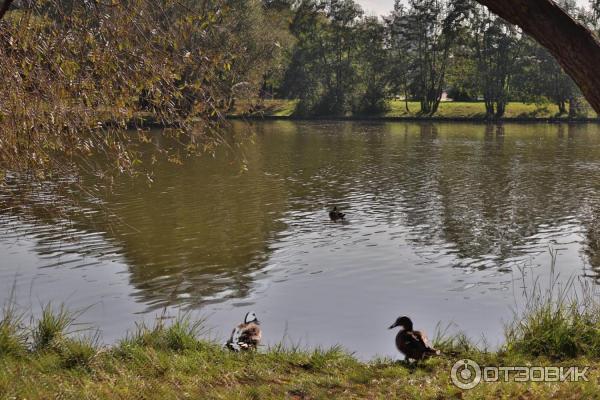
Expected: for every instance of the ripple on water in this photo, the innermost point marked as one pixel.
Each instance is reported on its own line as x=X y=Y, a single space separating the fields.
x=440 y=218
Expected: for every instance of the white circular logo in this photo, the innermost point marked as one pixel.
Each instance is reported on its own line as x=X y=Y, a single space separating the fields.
x=465 y=374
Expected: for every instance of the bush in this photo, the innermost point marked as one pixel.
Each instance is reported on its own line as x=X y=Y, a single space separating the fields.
x=561 y=322
x=13 y=339
x=181 y=335
x=52 y=327
x=79 y=352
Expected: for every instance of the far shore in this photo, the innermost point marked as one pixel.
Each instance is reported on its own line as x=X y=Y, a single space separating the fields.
x=367 y=118
x=449 y=111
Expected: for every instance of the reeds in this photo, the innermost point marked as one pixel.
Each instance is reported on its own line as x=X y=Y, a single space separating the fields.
x=560 y=320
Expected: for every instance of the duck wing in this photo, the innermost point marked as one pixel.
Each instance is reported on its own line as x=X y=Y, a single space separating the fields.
x=423 y=339
x=234 y=340
x=250 y=336
x=413 y=344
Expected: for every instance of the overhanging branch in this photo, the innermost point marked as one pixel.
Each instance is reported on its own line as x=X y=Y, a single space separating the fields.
x=4 y=8
x=574 y=46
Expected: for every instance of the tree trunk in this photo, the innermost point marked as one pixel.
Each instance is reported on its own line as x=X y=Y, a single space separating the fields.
x=573 y=107
x=489 y=108
x=4 y=8
x=575 y=48
x=500 y=108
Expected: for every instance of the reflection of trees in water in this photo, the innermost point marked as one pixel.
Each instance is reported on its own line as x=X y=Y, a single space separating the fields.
x=199 y=234
x=204 y=230
x=489 y=197
x=496 y=194
x=60 y=215
x=592 y=244
x=420 y=177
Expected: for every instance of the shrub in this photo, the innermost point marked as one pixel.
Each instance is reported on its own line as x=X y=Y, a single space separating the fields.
x=181 y=335
x=79 y=352
x=561 y=322
x=52 y=327
x=13 y=339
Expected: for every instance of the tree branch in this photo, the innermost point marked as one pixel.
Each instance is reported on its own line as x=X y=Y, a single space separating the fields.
x=574 y=46
x=4 y=8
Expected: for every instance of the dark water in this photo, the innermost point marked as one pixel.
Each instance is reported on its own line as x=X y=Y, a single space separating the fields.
x=443 y=221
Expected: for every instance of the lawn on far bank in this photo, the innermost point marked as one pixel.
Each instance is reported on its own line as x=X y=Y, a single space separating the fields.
x=397 y=109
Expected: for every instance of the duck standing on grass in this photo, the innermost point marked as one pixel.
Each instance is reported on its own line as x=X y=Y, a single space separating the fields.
x=247 y=335
x=335 y=215
x=413 y=344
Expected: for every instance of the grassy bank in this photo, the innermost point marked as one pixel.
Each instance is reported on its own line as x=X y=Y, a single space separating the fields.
x=49 y=358
x=205 y=371
x=397 y=110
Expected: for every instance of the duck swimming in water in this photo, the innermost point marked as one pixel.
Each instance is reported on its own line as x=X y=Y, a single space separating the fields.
x=247 y=335
x=413 y=344
x=335 y=215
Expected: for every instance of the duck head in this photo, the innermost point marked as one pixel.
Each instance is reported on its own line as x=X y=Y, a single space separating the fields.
x=250 y=317
x=404 y=322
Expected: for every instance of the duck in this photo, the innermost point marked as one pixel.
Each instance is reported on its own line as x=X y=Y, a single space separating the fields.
x=413 y=344
x=335 y=215
x=247 y=335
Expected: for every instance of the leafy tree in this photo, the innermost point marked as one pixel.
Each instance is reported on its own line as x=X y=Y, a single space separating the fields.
x=496 y=47
x=595 y=8
x=341 y=41
x=278 y=14
x=571 y=42
x=82 y=71
x=373 y=66
x=549 y=80
x=304 y=78
x=322 y=72
x=398 y=52
x=429 y=30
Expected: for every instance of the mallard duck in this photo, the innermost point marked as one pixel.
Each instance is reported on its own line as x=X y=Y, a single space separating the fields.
x=335 y=215
x=413 y=344
x=247 y=335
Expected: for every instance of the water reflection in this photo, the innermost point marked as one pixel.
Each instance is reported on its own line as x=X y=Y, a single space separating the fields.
x=423 y=201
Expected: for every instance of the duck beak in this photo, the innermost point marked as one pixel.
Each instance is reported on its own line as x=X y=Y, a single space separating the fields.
x=393 y=326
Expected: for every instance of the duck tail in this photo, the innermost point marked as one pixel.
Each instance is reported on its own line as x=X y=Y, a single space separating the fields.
x=230 y=346
x=433 y=352
x=450 y=353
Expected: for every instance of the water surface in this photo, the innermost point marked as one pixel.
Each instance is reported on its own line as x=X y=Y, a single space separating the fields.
x=443 y=221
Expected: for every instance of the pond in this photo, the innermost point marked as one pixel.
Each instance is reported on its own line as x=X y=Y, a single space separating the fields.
x=445 y=223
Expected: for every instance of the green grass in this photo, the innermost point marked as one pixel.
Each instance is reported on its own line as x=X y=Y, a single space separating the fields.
x=447 y=109
x=78 y=352
x=276 y=107
x=209 y=372
x=559 y=326
x=13 y=338
x=451 y=109
x=559 y=322
x=170 y=360
x=51 y=329
x=181 y=335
